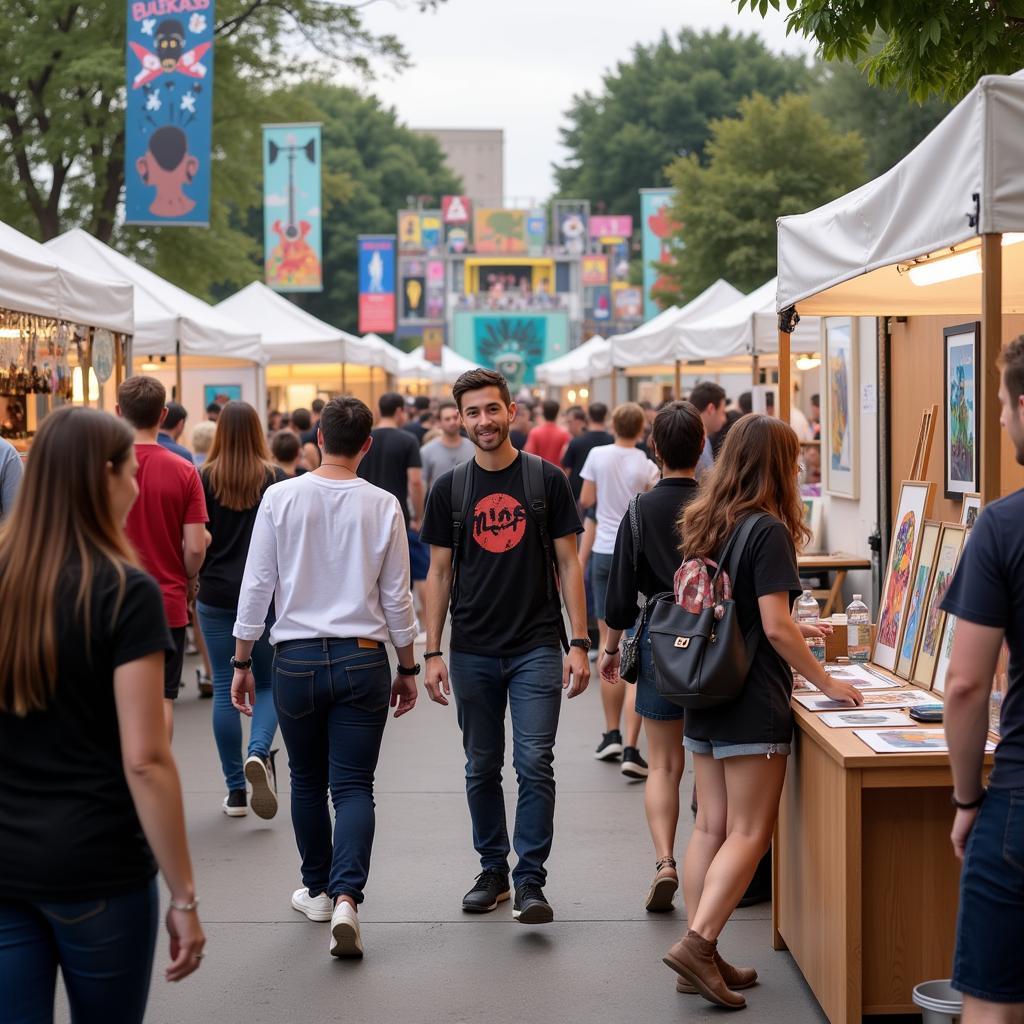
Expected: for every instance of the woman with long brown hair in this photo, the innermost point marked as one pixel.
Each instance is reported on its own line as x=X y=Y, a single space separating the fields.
x=235 y=477
x=739 y=749
x=91 y=793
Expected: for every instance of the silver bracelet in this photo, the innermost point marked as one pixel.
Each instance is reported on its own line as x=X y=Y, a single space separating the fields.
x=185 y=907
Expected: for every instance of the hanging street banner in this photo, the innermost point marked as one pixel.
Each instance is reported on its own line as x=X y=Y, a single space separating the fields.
x=594 y=270
x=376 y=284
x=292 y=246
x=168 y=113
x=656 y=231
x=611 y=230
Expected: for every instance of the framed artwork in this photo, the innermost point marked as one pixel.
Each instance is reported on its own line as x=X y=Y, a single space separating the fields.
x=945 y=651
x=969 y=513
x=960 y=408
x=918 y=594
x=221 y=393
x=911 y=511
x=840 y=434
x=813 y=516
x=951 y=542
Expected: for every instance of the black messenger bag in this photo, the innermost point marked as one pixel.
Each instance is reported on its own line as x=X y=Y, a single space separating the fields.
x=701 y=661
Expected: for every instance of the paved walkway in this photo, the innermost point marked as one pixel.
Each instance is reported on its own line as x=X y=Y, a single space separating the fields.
x=426 y=962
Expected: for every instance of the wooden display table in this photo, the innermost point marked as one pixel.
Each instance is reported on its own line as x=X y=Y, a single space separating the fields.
x=864 y=877
x=837 y=563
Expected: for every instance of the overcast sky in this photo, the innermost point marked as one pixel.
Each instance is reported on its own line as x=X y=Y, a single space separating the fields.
x=516 y=65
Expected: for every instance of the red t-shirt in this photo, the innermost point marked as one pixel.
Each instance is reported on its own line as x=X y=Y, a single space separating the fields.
x=170 y=497
x=548 y=440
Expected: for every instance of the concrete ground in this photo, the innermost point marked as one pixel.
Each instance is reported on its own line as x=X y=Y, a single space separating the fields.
x=426 y=962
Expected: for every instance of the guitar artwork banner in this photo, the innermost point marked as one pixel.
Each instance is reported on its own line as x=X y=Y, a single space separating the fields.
x=292 y=243
x=168 y=111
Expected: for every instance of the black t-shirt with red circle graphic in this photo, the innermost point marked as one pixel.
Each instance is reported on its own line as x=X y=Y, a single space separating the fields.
x=503 y=607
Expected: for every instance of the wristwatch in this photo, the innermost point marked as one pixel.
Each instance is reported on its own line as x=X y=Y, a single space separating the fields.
x=583 y=642
x=235 y=663
x=403 y=671
x=968 y=806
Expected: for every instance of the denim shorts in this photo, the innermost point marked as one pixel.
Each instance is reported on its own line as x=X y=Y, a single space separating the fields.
x=419 y=556
x=989 y=959
x=650 y=703
x=719 y=749
x=600 y=571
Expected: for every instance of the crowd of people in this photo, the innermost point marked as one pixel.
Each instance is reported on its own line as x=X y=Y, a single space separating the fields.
x=298 y=555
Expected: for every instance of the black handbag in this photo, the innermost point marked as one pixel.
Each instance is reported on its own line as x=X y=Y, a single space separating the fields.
x=701 y=661
x=629 y=660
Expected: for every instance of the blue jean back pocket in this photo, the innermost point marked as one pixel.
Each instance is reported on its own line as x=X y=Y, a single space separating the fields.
x=369 y=685
x=293 y=692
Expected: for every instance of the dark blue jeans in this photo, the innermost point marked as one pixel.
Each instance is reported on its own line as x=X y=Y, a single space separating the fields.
x=104 y=948
x=332 y=701
x=216 y=624
x=531 y=685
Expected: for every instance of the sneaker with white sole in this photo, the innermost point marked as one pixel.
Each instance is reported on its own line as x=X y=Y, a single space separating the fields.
x=610 y=747
x=316 y=908
x=633 y=765
x=235 y=804
x=345 y=940
x=263 y=778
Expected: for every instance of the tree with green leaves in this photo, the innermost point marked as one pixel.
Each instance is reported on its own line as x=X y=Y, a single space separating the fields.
x=930 y=48
x=62 y=98
x=659 y=105
x=777 y=158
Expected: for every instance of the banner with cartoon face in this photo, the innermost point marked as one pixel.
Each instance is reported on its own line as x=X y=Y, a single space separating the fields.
x=168 y=112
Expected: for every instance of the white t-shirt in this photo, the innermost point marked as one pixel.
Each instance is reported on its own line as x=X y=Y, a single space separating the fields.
x=618 y=473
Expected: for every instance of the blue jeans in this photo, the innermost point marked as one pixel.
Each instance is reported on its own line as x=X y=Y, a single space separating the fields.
x=104 y=948
x=332 y=699
x=531 y=685
x=216 y=624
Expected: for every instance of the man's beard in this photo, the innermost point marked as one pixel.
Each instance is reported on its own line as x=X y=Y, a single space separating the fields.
x=500 y=432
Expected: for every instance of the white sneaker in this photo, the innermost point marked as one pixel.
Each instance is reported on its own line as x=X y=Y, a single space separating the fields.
x=316 y=908
x=345 y=939
x=262 y=776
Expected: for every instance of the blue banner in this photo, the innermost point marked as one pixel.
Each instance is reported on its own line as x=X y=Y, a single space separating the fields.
x=376 y=284
x=168 y=112
x=656 y=231
x=292 y=246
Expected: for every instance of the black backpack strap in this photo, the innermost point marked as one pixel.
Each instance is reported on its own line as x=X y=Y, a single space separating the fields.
x=735 y=548
x=537 y=507
x=462 y=495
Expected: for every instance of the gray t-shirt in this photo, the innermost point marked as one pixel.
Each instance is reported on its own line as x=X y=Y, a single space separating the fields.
x=438 y=458
x=10 y=477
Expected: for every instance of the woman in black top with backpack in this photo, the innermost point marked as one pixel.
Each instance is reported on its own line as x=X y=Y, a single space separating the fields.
x=739 y=747
x=677 y=439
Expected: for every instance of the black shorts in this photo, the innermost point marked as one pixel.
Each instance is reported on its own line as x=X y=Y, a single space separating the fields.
x=174 y=663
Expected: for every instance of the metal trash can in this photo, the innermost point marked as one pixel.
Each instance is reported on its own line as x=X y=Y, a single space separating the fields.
x=941 y=1003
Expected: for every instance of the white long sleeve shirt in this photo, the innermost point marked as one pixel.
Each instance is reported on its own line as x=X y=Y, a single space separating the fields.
x=334 y=556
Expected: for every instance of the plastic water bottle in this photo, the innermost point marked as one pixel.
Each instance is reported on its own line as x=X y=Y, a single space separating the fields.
x=858 y=630
x=807 y=612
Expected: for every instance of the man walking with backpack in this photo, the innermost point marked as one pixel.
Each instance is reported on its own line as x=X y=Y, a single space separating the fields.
x=502 y=534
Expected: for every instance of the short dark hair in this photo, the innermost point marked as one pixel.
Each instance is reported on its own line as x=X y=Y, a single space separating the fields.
x=425 y=417
x=317 y=406
x=706 y=393
x=549 y=410
x=389 y=403
x=575 y=412
x=213 y=407
x=678 y=435
x=284 y=446
x=302 y=419
x=345 y=424
x=446 y=404
x=141 y=401
x=597 y=412
x=645 y=405
x=422 y=402
x=816 y=399
x=176 y=413
x=1011 y=364
x=473 y=380
x=746 y=403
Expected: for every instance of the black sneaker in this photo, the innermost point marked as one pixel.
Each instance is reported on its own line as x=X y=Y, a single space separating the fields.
x=530 y=906
x=610 y=747
x=490 y=889
x=235 y=805
x=633 y=765
x=263 y=778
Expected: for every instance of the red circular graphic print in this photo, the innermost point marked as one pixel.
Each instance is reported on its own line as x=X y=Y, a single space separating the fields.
x=499 y=523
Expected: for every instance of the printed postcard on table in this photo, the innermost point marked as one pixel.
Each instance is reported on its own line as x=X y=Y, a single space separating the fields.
x=905 y=741
x=907 y=698
x=855 y=717
x=860 y=677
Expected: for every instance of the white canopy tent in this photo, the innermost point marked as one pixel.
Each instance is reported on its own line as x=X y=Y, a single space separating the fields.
x=939 y=233
x=38 y=279
x=580 y=365
x=414 y=366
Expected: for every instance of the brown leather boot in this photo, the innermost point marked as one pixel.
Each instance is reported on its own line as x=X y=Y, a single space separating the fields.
x=736 y=978
x=693 y=958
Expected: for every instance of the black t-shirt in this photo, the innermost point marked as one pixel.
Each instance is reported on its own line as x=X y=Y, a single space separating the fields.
x=503 y=607
x=761 y=713
x=417 y=430
x=220 y=578
x=988 y=590
x=393 y=453
x=518 y=439
x=659 y=555
x=576 y=454
x=67 y=821
x=309 y=436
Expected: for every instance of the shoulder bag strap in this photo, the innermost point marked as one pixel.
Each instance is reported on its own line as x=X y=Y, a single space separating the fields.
x=636 y=528
x=739 y=544
x=462 y=495
x=537 y=506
